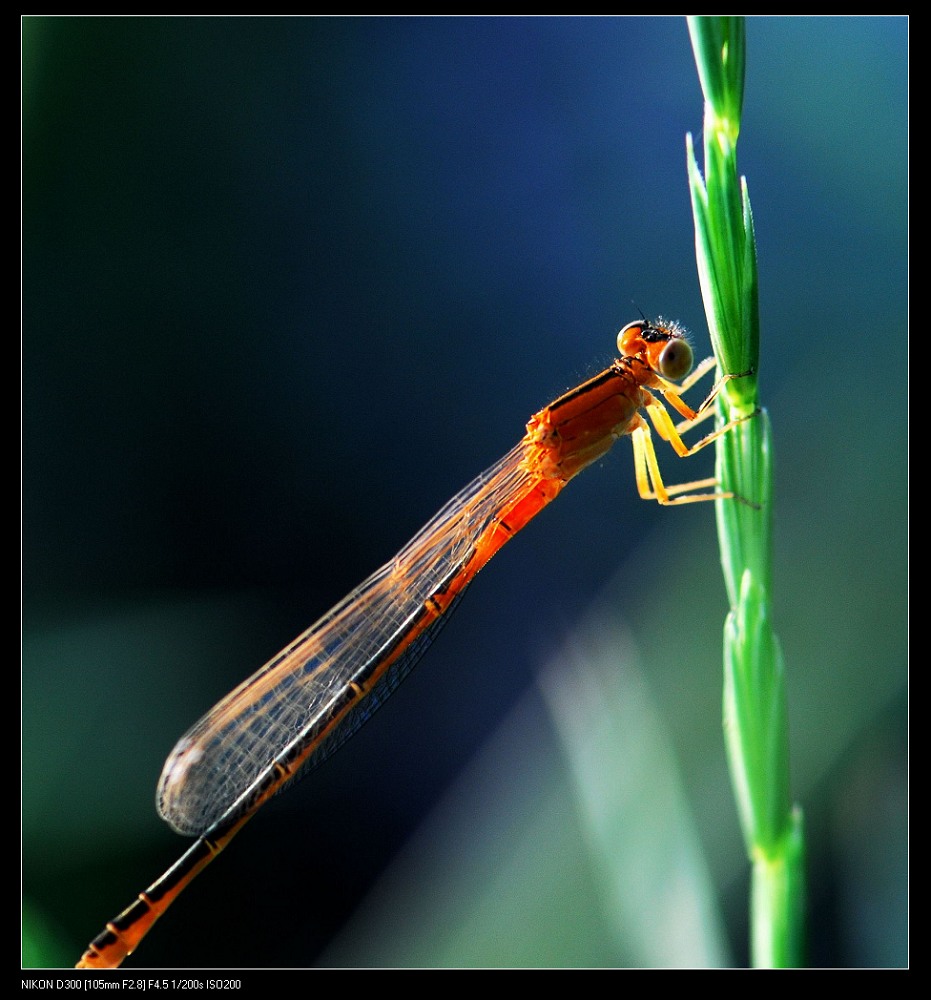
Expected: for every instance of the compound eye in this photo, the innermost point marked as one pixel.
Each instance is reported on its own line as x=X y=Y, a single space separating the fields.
x=630 y=339
x=675 y=360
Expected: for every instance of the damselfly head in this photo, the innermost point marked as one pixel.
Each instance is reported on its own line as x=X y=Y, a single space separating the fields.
x=661 y=344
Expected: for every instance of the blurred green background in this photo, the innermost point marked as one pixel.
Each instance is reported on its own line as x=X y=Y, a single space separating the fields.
x=287 y=285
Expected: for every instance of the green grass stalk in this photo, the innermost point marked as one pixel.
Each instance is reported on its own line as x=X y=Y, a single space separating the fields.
x=755 y=720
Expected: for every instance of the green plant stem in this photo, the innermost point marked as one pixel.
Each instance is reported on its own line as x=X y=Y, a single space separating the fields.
x=755 y=720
